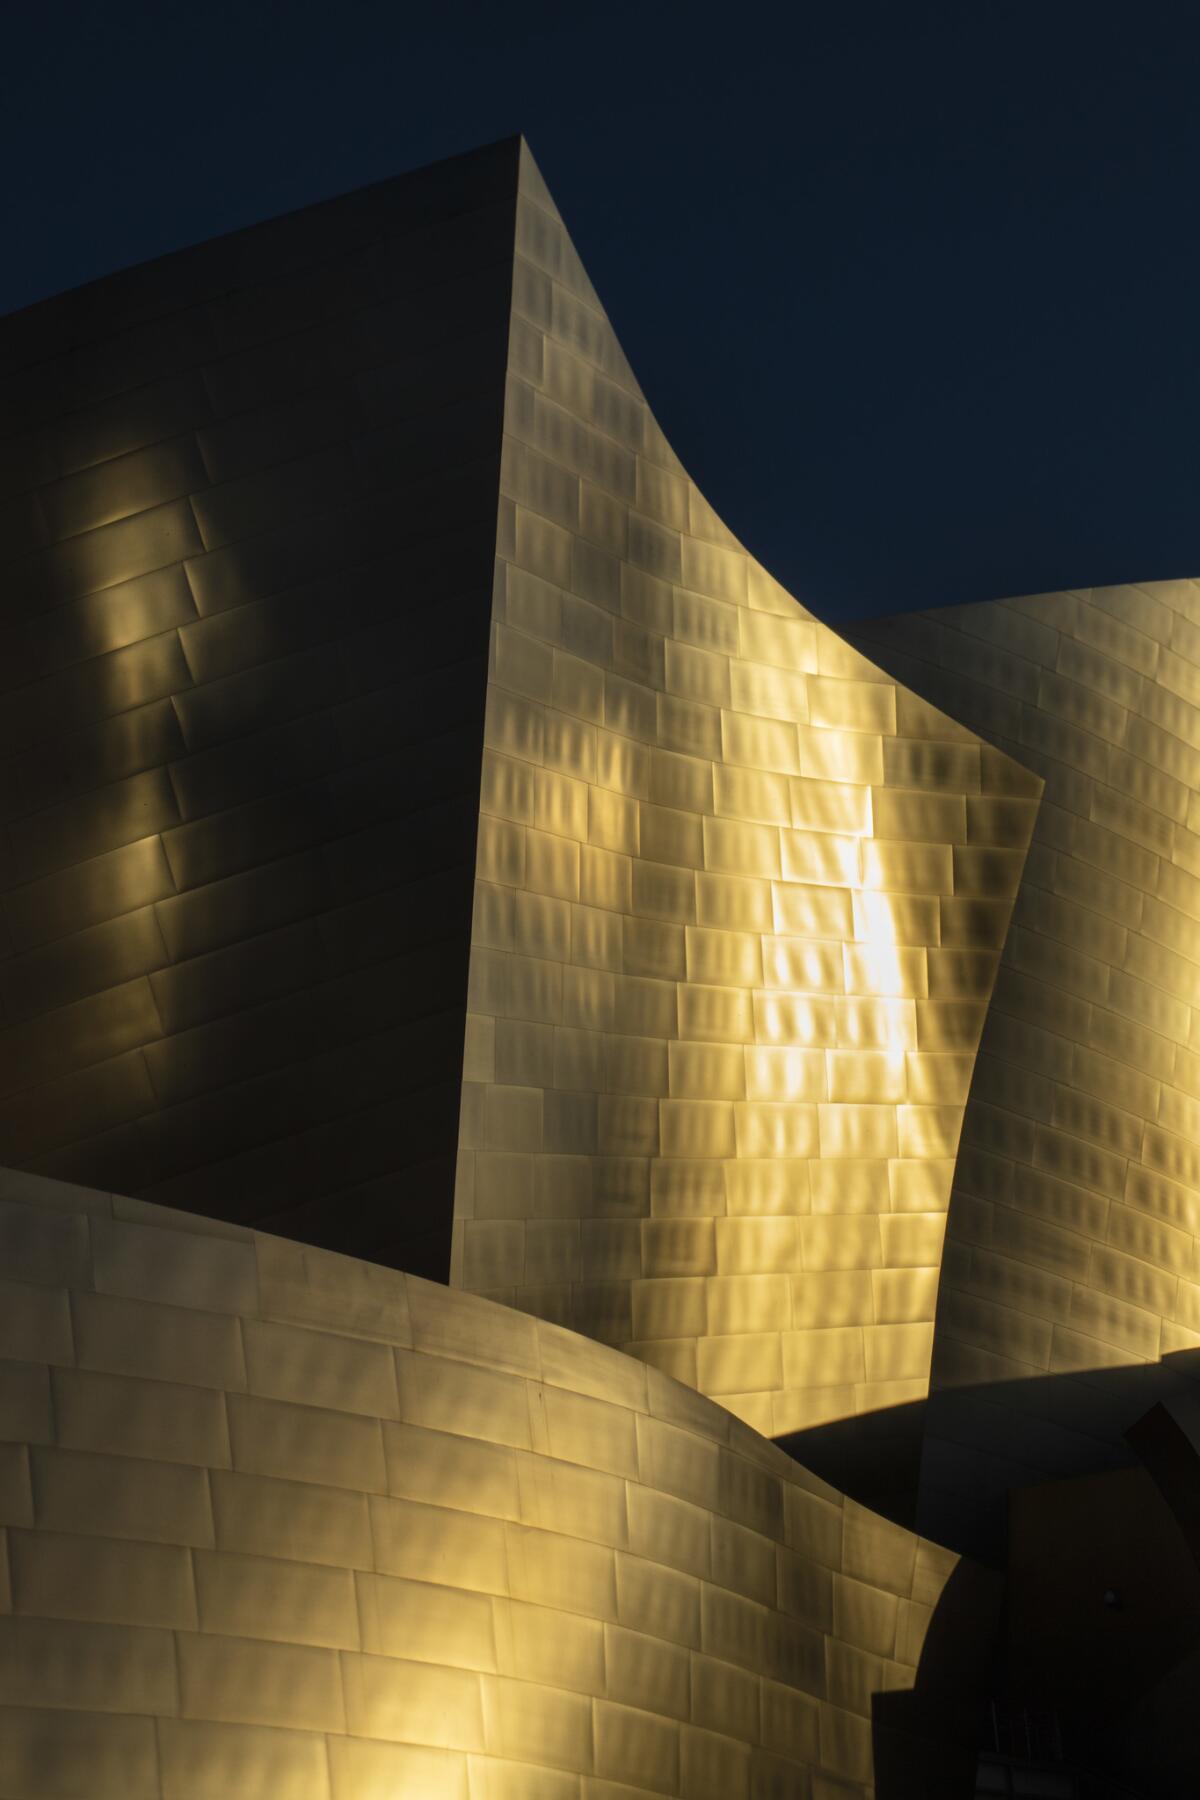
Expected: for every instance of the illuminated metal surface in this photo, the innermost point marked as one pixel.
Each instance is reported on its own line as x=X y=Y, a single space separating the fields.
x=1072 y=1238
x=280 y=1522
x=739 y=895
x=738 y=912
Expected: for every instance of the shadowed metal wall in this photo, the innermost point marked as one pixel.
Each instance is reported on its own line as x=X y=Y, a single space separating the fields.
x=739 y=905
x=283 y=1523
x=247 y=527
x=1072 y=1238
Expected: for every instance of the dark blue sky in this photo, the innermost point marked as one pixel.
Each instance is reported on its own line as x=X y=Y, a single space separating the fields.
x=914 y=290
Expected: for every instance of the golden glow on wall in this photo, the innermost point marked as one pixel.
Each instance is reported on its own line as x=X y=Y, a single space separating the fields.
x=738 y=910
x=1074 y=1229
x=277 y=1521
x=284 y=1523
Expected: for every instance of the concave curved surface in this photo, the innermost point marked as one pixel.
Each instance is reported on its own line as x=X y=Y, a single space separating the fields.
x=738 y=910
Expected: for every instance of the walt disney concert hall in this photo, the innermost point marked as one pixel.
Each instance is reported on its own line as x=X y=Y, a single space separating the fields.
x=600 y=1183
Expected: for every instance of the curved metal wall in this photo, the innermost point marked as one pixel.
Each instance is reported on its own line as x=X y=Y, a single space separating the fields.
x=738 y=910
x=280 y=1522
x=1072 y=1263
x=738 y=896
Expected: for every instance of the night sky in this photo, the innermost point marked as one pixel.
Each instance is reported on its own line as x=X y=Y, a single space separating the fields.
x=914 y=291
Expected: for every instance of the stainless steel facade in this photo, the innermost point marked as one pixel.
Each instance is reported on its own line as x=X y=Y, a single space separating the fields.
x=280 y=1522
x=739 y=904
x=1070 y=1292
x=431 y=846
x=365 y=558
x=247 y=533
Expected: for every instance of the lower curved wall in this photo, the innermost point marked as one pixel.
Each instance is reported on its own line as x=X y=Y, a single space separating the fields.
x=283 y=1523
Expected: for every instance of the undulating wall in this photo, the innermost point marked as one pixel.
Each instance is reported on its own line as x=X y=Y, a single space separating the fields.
x=1072 y=1263
x=416 y=809
x=283 y=1523
x=247 y=527
x=739 y=903
x=738 y=896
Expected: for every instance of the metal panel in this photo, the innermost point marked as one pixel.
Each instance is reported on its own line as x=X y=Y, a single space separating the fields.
x=775 y=848
x=249 y=613
x=1084 y=1106
x=459 y=1551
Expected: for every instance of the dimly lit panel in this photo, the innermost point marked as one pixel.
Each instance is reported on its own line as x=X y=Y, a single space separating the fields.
x=281 y=1522
x=247 y=534
x=1072 y=1230
x=738 y=910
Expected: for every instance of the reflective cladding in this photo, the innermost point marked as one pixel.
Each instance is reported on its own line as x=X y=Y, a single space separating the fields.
x=283 y=1522
x=419 y=811
x=737 y=895
x=247 y=542
x=1072 y=1237
x=738 y=907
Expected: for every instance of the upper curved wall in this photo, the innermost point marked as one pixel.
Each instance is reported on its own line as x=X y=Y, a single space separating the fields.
x=738 y=910
x=1072 y=1238
x=282 y=1523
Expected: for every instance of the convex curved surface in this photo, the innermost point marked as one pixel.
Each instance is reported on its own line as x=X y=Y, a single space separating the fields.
x=280 y=1522
x=1072 y=1240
